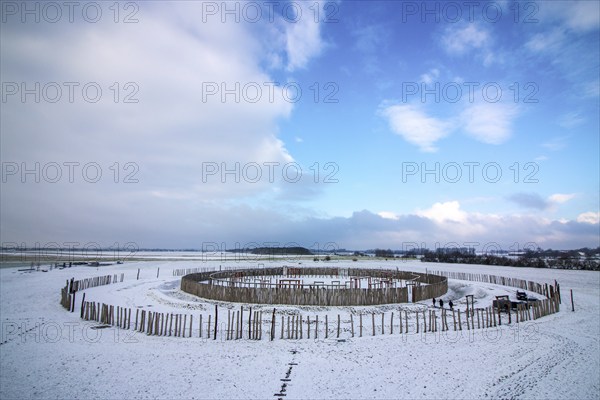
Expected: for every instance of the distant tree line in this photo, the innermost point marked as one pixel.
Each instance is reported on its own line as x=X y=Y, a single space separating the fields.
x=384 y=253
x=581 y=259
x=274 y=251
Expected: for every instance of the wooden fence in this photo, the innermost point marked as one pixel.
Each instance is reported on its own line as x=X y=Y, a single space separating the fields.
x=67 y=294
x=208 y=285
x=186 y=271
x=543 y=289
x=245 y=323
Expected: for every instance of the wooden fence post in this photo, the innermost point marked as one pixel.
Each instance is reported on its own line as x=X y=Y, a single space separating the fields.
x=417 y=314
x=360 y=324
x=572 y=303
x=373 y=322
x=82 y=305
x=260 y=325
x=241 y=322
x=216 y=321
x=227 y=332
x=273 y=326
x=454 y=319
x=250 y=323
x=282 y=324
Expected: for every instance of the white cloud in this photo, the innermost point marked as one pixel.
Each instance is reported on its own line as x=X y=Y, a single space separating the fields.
x=431 y=76
x=460 y=39
x=388 y=215
x=547 y=41
x=556 y=143
x=303 y=38
x=443 y=212
x=571 y=120
x=560 y=198
x=170 y=134
x=535 y=201
x=589 y=217
x=489 y=122
x=415 y=126
x=580 y=16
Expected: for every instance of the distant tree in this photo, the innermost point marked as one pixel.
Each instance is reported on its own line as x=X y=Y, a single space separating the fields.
x=384 y=253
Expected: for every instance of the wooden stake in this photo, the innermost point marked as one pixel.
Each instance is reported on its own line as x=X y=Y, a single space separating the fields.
x=237 y=325
x=216 y=321
x=454 y=319
x=373 y=322
x=572 y=302
x=417 y=313
x=227 y=333
x=250 y=323
x=360 y=324
x=241 y=322
x=207 y=327
x=273 y=326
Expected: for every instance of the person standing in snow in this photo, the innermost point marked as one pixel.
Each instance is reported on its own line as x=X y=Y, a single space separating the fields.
x=434 y=301
x=451 y=305
x=441 y=303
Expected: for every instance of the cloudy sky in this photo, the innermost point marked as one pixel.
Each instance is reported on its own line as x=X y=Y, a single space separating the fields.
x=343 y=124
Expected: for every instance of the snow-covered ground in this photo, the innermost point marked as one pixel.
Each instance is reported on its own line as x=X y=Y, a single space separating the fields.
x=47 y=352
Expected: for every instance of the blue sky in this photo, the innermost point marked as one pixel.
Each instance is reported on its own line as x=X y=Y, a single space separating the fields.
x=388 y=89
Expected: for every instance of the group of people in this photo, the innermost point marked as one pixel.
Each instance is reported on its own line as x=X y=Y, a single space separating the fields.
x=450 y=304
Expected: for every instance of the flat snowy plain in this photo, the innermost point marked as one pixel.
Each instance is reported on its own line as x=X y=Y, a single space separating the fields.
x=47 y=352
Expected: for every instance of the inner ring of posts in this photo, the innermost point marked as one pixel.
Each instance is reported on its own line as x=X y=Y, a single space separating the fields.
x=315 y=286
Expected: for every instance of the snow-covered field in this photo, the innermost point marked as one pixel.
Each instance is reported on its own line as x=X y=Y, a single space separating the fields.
x=47 y=352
